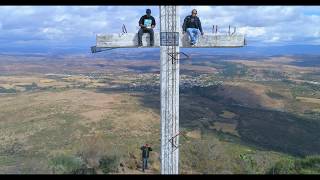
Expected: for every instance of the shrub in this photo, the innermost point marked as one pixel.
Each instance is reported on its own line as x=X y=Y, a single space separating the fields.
x=307 y=165
x=4 y=90
x=64 y=164
x=109 y=164
x=310 y=164
x=84 y=170
x=283 y=167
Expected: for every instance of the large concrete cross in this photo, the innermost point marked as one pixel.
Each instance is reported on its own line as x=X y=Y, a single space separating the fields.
x=169 y=40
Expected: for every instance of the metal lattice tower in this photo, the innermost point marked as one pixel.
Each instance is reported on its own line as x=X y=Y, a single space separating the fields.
x=169 y=59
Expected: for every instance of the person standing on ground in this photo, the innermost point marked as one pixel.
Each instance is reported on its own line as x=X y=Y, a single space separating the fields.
x=145 y=155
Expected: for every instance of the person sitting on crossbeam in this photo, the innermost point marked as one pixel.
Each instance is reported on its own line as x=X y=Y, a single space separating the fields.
x=147 y=23
x=192 y=25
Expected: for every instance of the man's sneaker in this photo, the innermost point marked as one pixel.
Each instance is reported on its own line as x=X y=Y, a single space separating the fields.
x=139 y=45
x=192 y=43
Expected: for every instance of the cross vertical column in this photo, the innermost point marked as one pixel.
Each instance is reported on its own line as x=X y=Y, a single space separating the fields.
x=169 y=77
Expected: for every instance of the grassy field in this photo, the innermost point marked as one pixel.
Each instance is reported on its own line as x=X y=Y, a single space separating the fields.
x=43 y=125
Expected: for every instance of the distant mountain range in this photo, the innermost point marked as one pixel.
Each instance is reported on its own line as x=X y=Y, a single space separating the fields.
x=153 y=54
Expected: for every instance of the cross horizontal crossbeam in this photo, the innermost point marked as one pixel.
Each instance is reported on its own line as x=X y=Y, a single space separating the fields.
x=130 y=40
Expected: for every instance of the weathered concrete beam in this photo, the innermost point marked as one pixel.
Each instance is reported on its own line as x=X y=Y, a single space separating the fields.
x=212 y=41
x=130 y=40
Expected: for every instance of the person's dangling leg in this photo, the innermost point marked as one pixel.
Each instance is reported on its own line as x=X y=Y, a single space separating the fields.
x=150 y=31
x=196 y=35
x=189 y=31
x=140 y=33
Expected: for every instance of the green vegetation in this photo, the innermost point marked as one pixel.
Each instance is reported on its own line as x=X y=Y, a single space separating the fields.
x=30 y=87
x=275 y=74
x=315 y=76
x=227 y=69
x=307 y=165
x=305 y=90
x=10 y=90
x=69 y=164
x=279 y=131
x=64 y=164
x=249 y=161
x=109 y=164
x=234 y=70
x=274 y=95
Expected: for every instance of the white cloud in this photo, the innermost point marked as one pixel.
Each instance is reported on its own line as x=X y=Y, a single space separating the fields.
x=66 y=24
x=267 y=24
x=273 y=39
x=252 y=31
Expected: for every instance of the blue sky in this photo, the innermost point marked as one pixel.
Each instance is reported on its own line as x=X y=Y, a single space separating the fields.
x=63 y=27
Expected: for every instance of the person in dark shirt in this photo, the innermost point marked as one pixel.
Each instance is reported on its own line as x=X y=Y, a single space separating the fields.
x=145 y=155
x=192 y=25
x=147 y=23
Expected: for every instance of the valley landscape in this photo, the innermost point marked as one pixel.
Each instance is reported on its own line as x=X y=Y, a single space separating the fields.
x=87 y=114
